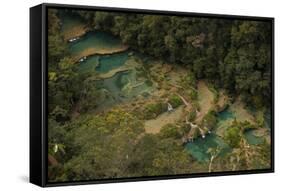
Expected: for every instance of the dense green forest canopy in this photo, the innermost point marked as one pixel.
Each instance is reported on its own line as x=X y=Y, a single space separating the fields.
x=234 y=55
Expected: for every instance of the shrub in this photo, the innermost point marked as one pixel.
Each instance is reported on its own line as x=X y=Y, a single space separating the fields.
x=210 y=120
x=189 y=80
x=192 y=94
x=175 y=101
x=260 y=118
x=232 y=136
x=153 y=110
x=170 y=131
x=214 y=91
x=149 y=82
x=191 y=115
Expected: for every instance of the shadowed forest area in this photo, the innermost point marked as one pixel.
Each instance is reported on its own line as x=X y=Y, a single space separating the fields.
x=133 y=95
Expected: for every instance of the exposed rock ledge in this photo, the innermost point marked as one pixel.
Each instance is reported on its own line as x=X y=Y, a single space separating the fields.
x=98 y=51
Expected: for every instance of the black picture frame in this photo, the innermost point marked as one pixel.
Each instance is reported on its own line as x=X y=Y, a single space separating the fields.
x=39 y=102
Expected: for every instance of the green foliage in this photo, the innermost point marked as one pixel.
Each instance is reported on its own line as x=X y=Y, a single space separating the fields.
x=235 y=56
x=87 y=95
x=142 y=158
x=189 y=80
x=102 y=19
x=65 y=89
x=66 y=86
x=191 y=115
x=175 y=101
x=156 y=156
x=149 y=82
x=154 y=109
x=231 y=54
x=104 y=146
x=214 y=91
x=210 y=120
x=260 y=118
x=170 y=131
x=233 y=134
x=249 y=60
x=265 y=155
x=59 y=114
x=246 y=125
x=57 y=48
x=189 y=83
x=199 y=67
x=170 y=159
x=107 y=146
x=61 y=73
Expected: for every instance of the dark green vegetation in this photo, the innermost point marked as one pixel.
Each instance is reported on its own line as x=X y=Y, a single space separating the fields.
x=230 y=53
x=100 y=109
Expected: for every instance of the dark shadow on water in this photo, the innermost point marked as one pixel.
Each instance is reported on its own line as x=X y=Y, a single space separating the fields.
x=24 y=178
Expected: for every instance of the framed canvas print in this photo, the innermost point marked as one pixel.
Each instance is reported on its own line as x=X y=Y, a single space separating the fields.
x=127 y=95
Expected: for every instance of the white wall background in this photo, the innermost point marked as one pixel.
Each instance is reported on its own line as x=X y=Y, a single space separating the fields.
x=14 y=96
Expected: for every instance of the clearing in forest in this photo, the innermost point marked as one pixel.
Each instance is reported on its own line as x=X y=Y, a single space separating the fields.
x=154 y=126
x=205 y=100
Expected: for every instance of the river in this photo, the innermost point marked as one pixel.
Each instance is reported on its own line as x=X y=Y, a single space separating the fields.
x=103 y=52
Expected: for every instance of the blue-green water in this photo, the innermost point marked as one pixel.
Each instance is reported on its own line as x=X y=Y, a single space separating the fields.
x=225 y=115
x=117 y=90
x=199 y=148
x=249 y=135
x=252 y=139
x=110 y=62
x=103 y=63
x=122 y=85
x=114 y=87
x=89 y=65
x=97 y=39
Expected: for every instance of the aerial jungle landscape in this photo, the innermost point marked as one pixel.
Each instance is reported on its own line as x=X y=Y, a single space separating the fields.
x=140 y=95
